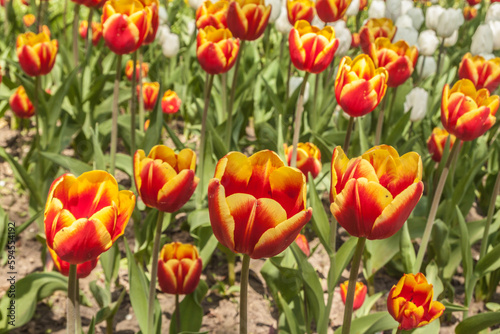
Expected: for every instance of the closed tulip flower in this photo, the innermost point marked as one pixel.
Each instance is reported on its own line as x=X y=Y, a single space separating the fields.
x=469 y=13
x=377 y=9
x=359 y=87
x=427 y=42
x=373 y=29
x=247 y=19
x=154 y=23
x=483 y=73
x=399 y=59
x=179 y=268
x=467 y=113
x=170 y=102
x=473 y=2
x=300 y=10
x=312 y=49
x=416 y=102
x=36 y=53
x=432 y=16
x=331 y=10
x=257 y=204
x=410 y=302
x=125 y=24
x=359 y=294
x=308 y=158
x=303 y=244
x=28 y=20
x=482 y=40
x=171 y=45
x=417 y=16
x=216 y=50
x=21 y=104
x=165 y=180
x=90 y=3
x=437 y=141
x=373 y=195
x=449 y=20
x=129 y=69
x=84 y=216
x=82 y=269
x=150 y=92
x=282 y=24
x=212 y=14
x=493 y=12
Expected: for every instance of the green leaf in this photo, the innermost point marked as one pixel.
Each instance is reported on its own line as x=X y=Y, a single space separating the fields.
x=368 y=304
x=74 y=166
x=363 y=141
x=92 y=326
x=289 y=316
x=478 y=322
x=124 y=163
x=343 y=257
x=319 y=219
x=433 y=327
x=4 y=231
x=138 y=290
x=432 y=275
x=406 y=249
x=372 y=323
x=489 y=263
x=450 y=307
x=177 y=142
x=56 y=100
x=277 y=103
x=153 y=133
x=191 y=311
x=99 y=162
x=101 y=295
x=380 y=253
x=110 y=261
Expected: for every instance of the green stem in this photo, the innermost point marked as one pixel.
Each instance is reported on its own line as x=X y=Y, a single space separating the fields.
x=37 y=121
x=154 y=272
x=65 y=11
x=229 y=123
x=287 y=92
x=231 y=276
x=314 y=112
x=39 y=17
x=177 y=314
x=380 y=122
x=141 y=102
x=133 y=104
x=434 y=207
x=72 y=293
x=226 y=110
x=109 y=325
x=76 y=11
x=331 y=272
x=89 y=40
x=347 y=139
x=438 y=65
x=298 y=120
x=491 y=209
x=351 y=287
x=400 y=331
x=245 y=268
x=306 y=314
x=78 y=318
x=114 y=114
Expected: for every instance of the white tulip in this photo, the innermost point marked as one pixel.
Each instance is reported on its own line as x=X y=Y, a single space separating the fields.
x=171 y=45
x=429 y=66
x=282 y=24
x=404 y=21
x=416 y=101
x=195 y=4
x=190 y=26
x=295 y=83
x=427 y=42
x=393 y=9
x=407 y=34
x=452 y=40
x=449 y=21
x=343 y=34
x=353 y=8
x=163 y=31
x=417 y=16
x=495 y=29
x=275 y=9
x=406 y=5
x=432 y=16
x=376 y=10
x=163 y=15
x=493 y=13
x=482 y=40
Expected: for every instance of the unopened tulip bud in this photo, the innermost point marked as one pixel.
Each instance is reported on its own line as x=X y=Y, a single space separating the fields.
x=359 y=294
x=416 y=102
x=170 y=102
x=21 y=104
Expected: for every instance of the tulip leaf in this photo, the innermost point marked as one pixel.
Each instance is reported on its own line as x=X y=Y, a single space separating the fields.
x=191 y=311
x=406 y=249
x=363 y=141
x=124 y=163
x=57 y=98
x=489 y=263
x=281 y=275
x=277 y=102
x=380 y=252
x=450 y=307
x=368 y=304
x=73 y=165
x=432 y=275
x=153 y=133
x=92 y=326
x=466 y=253
x=343 y=257
x=371 y=323
x=4 y=232
x=219 y=146
x=289 y=316
x=433 y=327
x=177 y=142
x=110 y=261
x=319 y=219
x=101 y=295
x=398 y=129
x=99 y=162
x=477 y=323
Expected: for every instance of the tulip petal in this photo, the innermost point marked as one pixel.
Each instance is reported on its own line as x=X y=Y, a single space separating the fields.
x=192 y=276
x=176 y=192
x=234 y=171
x=288 y=185
x=167 y=277
x=222 y=222
x=125 y=209
x=358 y=98
x=243 y=210
x=120 y=34
x=472 y=124
x=263 y=164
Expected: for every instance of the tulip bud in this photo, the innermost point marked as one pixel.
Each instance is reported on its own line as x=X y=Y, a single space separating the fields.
x=21 y=104
x=449 y=21
x=308 y=158
x=354 y=8
x=216 y=49
x=437 y=141
x=247 y=19
x=393 y=9
x=36 y=53
x=149 y=94
x=171 y=45
x=432 y=16
x=493 y=12
x=276 y=8
x=212 y=14
x=331 y=10
x=452 y=40
x=300 y=10
x=282 y=23
x=495 y=29
x=373 y=29
x=483 y=73
x=407 y=34
x=154 y=20
x=417 y=16
x=28 y=20
x=426 y=66
x=359 y=294
x=344 y=36
x=416 y=101
x=303 y=244
x=170 y=103
x=469 y=13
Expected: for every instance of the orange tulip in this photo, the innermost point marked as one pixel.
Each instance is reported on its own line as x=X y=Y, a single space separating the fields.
x=373 y=29
x=372 y=196
x=96 y=31
x=437 y=141
x=399 y=59
x=303 y=244
x=308 y=158
x=247 y=19
x=355 y=40
x=469 y=13
x=28 y=20
x=359 y=294
x=212 y=14
x=216 y=50
x=179 y=268
x=82 y=269
x=36 y=53
x=154 y=6
x=331 y=10
x=125 y=24
x=84 y=216
x=359 y=78
x=312 y=49
x=170 y=102
x=150 y=92
x=257 y=205
x=165 y=180
x=21 y=104
x=410 y=302
x=300 y=10
x=467 y=113
x=483 y=73
x=129 y=69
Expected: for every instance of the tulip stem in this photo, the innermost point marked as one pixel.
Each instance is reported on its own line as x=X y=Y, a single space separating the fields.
x=39 y=17
x=287 y=92
x=72 y=295
x=491 y=209
x=177 y=314
x=229 y=123
x=434 y=207
x=400 y=331
x=314 y=112
x=245 y=268
x=231 y=276
x=78 y=318
x=298 y=120
x=133 y=104
x=351 y=286
x=76 y=20
x=114 y=114
x=380 y=122
x=89 y=30
x=37 y=121
x=141 y=102
x=347 y=139
x=438 y=65
x=154 y=272
x=225 y=109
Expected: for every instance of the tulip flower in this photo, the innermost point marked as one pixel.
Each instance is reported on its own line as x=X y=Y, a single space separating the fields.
x=165 y=180
x=357 y=78
x=473 y=2
x=36 y=53
x=469 y=13
x=125 y=24
x=467 y=113
x=129 y=69
x=416 y=101
x=82 y=269
x=308 y=158
x=437 y=141
x=483 y=73
x=331 y=10
x=21 y=104
x=427 y=42
x=28 y=20
x=399 y=59
x=150 y=92
x=84 y=216
x=355 y=40
x=247 y=19
x=343 y=34
x=170 y=102
x=257 y=204
x=154 y=6
x=372 y=196
x=303 y=244
x=300 y=10
x=410 y=302
x=312 y=49
x=212 y=14
x=96 y=31
x=359 y=294
x=373 y=29
x=216 y=50
x=482 y=40
x=179 y=268
x=90 y=3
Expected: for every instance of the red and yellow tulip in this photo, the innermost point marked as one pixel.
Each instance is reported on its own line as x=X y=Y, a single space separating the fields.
x=331 y=10
x=150 y=91
x=372 y=196
x=410 y=302
x=165 y=180
x=212 y=14
x=82 y=269
x=437 y=141
x=469 y=13
x=312 y=49
x=20 y=104
x=179 y=268
x=154 y=6
x=467 y=113
x=36 y=53
x=90 y=3
x=399 y=59
x=483 y=73
x=359 y=294
x=308 y=158
x=303 y=244
x=247 y=19
x=359 y=86
x=257 y=205
x=96 y=31
x=216 y=50
x=300 y=10
x=170 y=102
x=84 y=216
x=129 y=70
x=373 y=29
